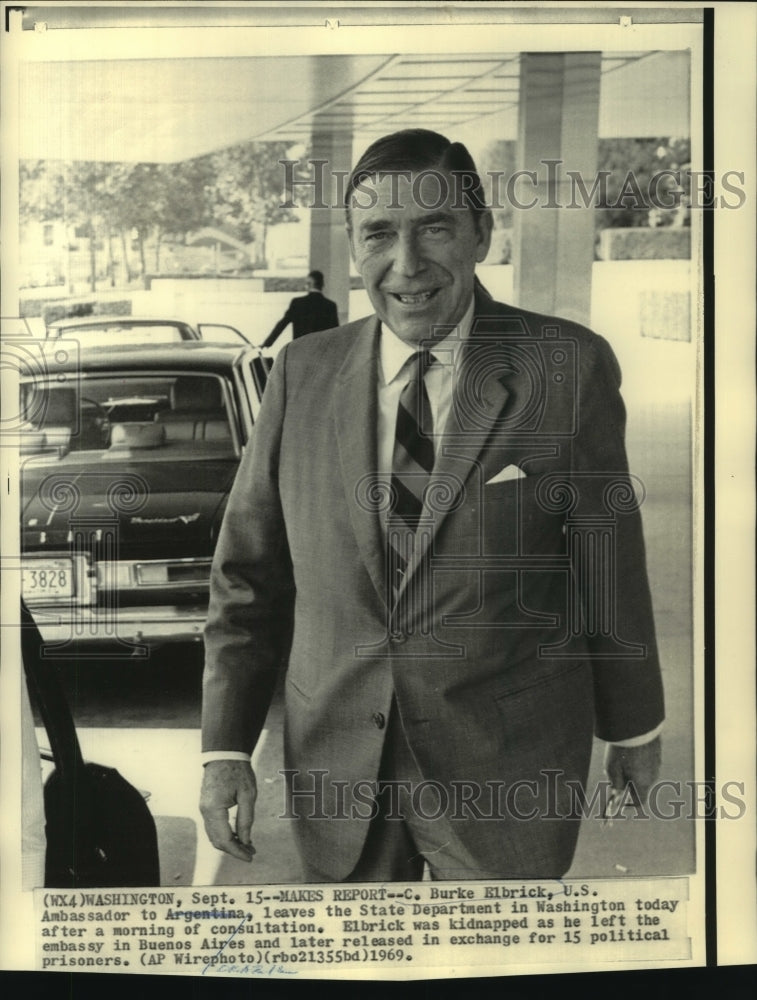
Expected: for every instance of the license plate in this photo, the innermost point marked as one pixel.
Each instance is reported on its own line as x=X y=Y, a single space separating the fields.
x=47 y=578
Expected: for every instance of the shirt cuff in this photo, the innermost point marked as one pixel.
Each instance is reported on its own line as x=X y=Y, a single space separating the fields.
x=209 y=755
x=639 y=741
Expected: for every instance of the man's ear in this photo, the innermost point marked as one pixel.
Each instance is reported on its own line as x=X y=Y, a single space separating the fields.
x=484 y=227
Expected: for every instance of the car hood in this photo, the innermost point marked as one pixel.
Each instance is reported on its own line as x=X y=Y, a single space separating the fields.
x=159 y=510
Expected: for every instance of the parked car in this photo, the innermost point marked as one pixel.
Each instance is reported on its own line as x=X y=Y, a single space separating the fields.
x=91 y=331
x=127 y=458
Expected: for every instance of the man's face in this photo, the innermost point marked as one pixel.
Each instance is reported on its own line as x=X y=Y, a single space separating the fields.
x=417 y=262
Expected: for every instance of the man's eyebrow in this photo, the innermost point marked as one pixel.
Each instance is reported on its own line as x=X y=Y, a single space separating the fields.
x=372 y=225
x=432 y=219
x=435 y=217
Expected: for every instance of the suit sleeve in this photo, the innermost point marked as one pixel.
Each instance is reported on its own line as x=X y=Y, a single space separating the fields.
x=251 y=590
x=282 y=324
x=616 y=600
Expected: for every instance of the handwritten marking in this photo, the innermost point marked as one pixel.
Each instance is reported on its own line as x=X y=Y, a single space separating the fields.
x=231 y=937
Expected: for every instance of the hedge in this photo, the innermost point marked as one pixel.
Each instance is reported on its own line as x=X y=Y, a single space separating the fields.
x=644 y=243
x=296 y=285
x=70 y=310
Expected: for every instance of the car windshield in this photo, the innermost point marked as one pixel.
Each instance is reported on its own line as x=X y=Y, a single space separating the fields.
x=127 y=333
x=131 y=417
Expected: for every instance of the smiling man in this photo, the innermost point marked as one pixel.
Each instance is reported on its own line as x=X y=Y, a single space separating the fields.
x=438 y=498
x=418 y=263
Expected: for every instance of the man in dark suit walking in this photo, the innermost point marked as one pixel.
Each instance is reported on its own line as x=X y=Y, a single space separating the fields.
x=307 y=313
x=438 y=497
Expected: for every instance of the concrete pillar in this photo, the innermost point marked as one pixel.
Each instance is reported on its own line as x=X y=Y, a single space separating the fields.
x=329 y=251
x=553 y=248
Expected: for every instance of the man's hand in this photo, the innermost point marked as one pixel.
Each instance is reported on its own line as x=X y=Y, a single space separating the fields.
x=227 y=783
x=638 y=766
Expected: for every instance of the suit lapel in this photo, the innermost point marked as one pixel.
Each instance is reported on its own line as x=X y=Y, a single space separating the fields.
x=469 y=427
x=478 y=403
x=356 y=422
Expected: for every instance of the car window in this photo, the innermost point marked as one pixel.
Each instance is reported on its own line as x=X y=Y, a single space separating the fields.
x=221 y=333
x=260 y=366
x=137 y=417
x=107 y=335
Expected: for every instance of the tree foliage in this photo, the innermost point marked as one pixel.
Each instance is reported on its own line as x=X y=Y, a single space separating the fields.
x=40 y=191
x=246 y=193
x=632 y=165
x=239 y=189
x=627 y=169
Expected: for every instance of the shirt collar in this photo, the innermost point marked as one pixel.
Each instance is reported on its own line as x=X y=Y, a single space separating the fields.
x=394 y=352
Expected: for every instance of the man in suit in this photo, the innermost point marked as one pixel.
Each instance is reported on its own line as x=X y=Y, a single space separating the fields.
x=456 y=537
x=307 y=313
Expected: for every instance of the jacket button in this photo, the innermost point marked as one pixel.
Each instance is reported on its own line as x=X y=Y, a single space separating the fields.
x=378 y=720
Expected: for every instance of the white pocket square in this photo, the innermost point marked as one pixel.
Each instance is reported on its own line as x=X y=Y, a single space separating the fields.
x=504 y=475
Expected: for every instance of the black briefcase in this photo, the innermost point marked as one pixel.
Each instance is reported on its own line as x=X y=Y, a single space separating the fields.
x=99 y=828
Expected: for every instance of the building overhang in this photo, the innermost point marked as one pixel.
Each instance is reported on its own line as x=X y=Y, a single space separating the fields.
x=170 y=84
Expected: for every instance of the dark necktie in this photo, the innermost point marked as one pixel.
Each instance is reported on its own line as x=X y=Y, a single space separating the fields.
x=412 y=464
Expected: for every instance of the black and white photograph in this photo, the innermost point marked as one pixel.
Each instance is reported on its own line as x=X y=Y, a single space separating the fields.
x=378 y=526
